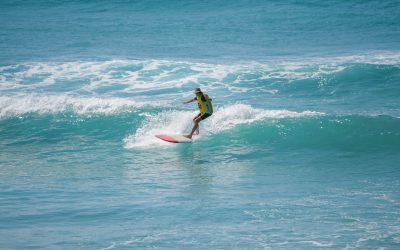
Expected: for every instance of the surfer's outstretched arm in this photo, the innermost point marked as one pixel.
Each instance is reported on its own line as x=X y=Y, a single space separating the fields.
x=191 y=100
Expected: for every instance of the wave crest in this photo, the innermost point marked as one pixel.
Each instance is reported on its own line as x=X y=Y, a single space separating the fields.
x=50 y=104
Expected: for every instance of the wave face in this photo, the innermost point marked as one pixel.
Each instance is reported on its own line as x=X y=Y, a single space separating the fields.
x=135 y=127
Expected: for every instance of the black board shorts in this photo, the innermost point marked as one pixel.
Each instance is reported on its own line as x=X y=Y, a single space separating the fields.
x=203 y=116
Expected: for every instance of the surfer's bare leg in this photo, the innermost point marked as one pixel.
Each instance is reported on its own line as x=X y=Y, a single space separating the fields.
x=195 y=127
x=197 y=130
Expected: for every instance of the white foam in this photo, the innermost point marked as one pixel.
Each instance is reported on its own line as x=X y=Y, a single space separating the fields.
x=112 y=246
x=230 y=116
x=167 y=122
x=379 y=57
x=42 y=104
x=143 y=75
x=318 y=244
x=134 y=76
x=224 y=118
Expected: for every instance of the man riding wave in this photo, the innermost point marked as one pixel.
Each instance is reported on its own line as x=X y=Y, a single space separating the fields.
x=205 y=107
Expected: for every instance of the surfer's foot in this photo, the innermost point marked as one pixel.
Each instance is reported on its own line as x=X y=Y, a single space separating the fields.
x=188 y=136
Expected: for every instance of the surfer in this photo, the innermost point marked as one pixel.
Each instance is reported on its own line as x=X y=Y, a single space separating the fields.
x=205 y=107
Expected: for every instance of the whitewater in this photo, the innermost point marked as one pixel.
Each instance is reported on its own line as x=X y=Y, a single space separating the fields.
x=302 y=151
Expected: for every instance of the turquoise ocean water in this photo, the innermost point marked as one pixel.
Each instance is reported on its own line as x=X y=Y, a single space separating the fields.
x=302 y=151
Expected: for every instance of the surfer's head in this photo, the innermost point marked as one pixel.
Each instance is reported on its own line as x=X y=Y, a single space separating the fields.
x=197 y=91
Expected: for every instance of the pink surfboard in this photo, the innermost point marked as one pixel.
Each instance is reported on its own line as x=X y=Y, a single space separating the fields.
x=174 y=138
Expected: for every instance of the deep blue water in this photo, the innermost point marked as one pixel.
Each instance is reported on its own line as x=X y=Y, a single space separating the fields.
x=209 y=30
x=302 y=151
